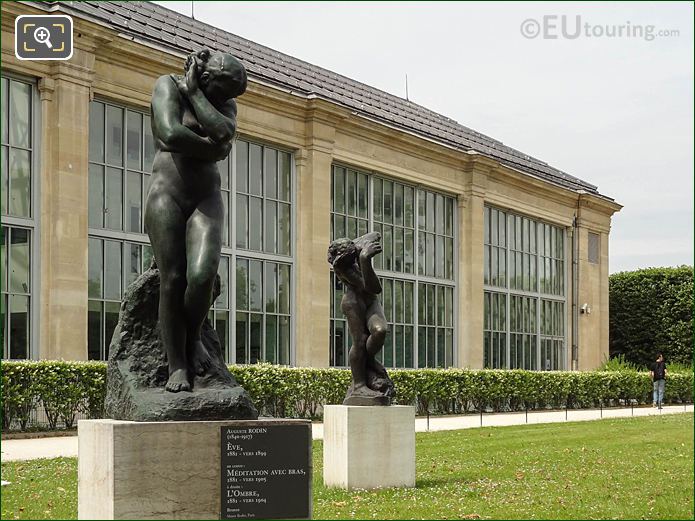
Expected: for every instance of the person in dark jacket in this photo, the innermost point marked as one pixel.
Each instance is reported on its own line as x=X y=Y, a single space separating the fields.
x=658 y=374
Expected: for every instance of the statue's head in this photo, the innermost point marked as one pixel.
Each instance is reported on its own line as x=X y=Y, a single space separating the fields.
x=341 y=250
x=222 y=76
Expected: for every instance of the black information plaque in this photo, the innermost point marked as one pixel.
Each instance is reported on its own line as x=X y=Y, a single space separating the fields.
x=266 y=472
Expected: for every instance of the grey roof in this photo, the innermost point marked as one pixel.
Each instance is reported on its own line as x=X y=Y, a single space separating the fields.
x=167 y=28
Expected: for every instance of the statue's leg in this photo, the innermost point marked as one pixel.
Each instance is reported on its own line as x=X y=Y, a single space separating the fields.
x=378 y=329
x=203 y=246
x=358 y=354
x=166 y=225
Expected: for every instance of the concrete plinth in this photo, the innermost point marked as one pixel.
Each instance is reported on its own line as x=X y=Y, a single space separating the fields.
x=155 y=470
x=368 y=447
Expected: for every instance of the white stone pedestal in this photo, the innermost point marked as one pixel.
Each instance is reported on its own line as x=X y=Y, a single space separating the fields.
x=368 y=447
x=155 y=470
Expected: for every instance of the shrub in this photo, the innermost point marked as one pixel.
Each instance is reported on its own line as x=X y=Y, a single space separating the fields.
x=651 y=311
x=65 y=388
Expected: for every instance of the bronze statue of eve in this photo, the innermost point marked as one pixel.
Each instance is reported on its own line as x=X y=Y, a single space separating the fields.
x=194 y=124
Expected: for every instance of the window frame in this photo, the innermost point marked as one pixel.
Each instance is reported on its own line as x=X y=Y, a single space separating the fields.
x=415 y=277
x=538 y=294
x=33 y=222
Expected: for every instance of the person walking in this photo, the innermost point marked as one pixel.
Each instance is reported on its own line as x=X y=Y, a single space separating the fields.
x=658 y=375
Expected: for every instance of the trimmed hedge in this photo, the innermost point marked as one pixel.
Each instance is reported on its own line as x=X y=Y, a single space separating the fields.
x=652 y=312
x=66 y=389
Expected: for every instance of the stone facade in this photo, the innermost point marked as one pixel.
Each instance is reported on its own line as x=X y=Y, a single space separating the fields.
x=109 y=67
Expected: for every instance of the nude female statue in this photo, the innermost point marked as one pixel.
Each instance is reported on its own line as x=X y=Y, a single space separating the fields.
x=352 y=264
x=194 y=124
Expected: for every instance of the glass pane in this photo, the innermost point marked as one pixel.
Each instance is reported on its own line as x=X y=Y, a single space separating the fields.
x=95 y=267
x=4 y=124
x=284 y=288
x=20 y=183
x=225 y=223
x=19 y=327
x=387 y=295
x=398 y=300
x=408 y=316
x=134 y=140
x=397 y=249
x=409 y=251
x=285 y=185
x=338 y=190
x=112 y=270
x=20 y=114
x=19 y=260
x=271 y=338
x=430 y=212
x=242 y=329
x=362 y=196
x=114 y=135
x=146 y=256
x=255 y=285
x=255 y=337
x=284 y=341
x=110 y=321
x=440 y=256
x=422 y=236
x=255 y=166
x=255 y=223
x=449 y=304
x=113 y=218
x=96 y=131
x=241 y=221
x=449 y=217
x=421 y=204
x=242 y=284
x=430 y=255
x=351 y=193
x=242 y=166
x=133 y=201
x=94 y=334
x=398 y=345
x=223 y=271
x=408 y=207
x=5 y=172
x=408 y=346
x=284 y=229
x=271 y=173
x=149 y=145
x=4 y=238
x=388 y=201
x=398 y=204
x=388 y=247
x=388 y=349
x=222 y=329
x=96 y=196
x=269 y=241
x=422 y=347
x=377 y=199
x=270 y=287
x=449 y=258
x=133 y=262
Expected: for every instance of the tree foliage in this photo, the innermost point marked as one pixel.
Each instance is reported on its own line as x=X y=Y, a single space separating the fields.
x=651 y=311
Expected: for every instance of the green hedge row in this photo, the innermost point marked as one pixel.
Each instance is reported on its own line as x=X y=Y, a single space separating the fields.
x=65 y=389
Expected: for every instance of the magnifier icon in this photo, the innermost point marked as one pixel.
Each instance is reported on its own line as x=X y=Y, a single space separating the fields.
x=42 y=35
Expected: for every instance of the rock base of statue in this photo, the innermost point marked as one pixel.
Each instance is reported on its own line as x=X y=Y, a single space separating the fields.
x=380 y=389
x=183 y=470
x=368 y=447
x=138 y=370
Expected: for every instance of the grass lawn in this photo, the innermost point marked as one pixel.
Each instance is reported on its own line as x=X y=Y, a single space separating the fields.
x=637 y=468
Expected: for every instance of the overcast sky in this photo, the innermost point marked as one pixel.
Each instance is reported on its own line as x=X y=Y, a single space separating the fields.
x=614 y=111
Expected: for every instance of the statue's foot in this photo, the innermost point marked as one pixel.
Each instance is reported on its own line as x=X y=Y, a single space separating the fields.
x=363 y=390
x=200 y=358
x=178 y=381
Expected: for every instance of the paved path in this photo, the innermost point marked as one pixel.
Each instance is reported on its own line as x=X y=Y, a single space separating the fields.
x=14 y=450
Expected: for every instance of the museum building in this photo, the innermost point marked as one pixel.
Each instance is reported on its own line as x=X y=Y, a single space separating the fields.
x=491 y=258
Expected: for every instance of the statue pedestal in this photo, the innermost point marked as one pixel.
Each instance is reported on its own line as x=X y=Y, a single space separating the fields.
x=186 y=470
x=368 y=447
